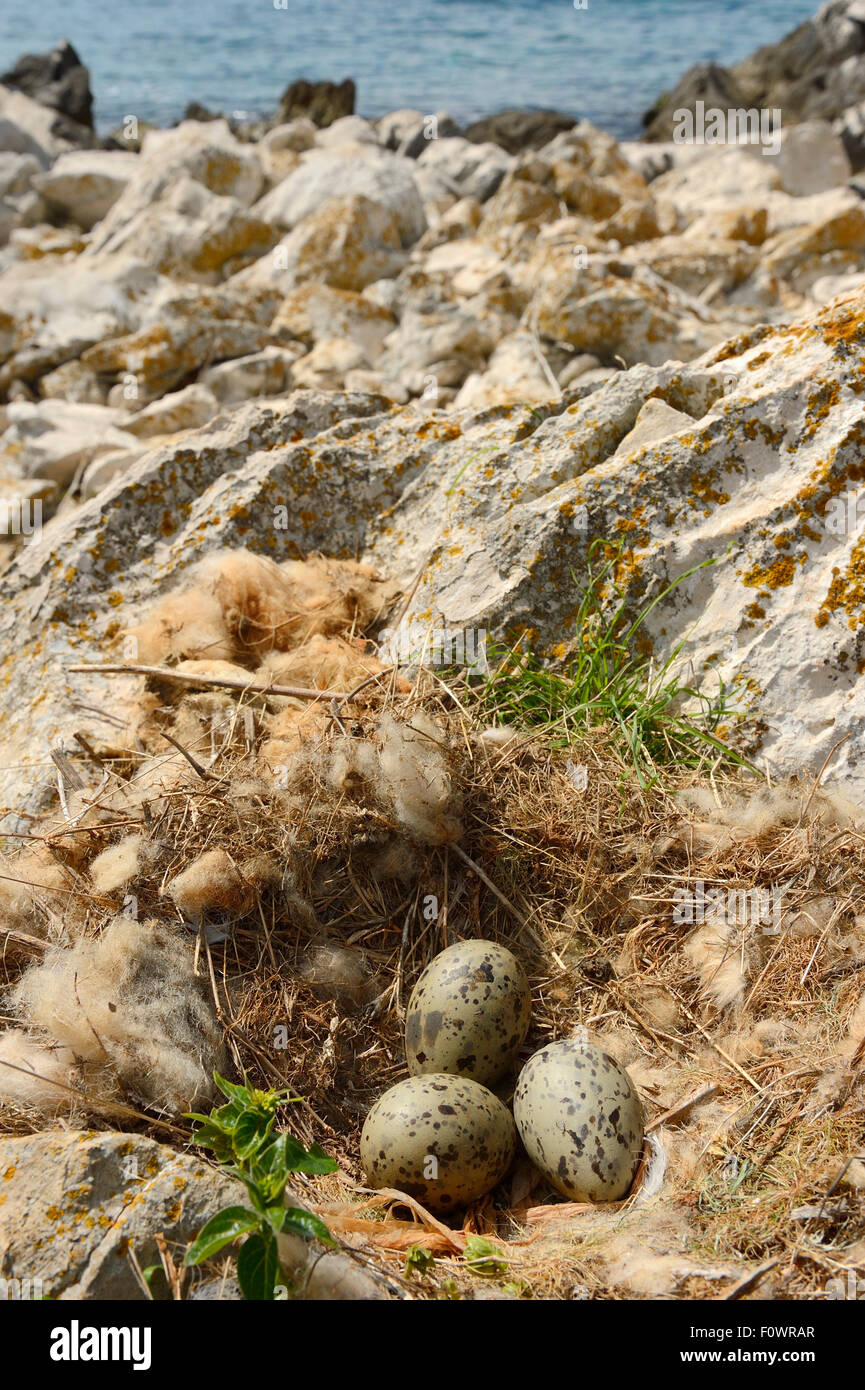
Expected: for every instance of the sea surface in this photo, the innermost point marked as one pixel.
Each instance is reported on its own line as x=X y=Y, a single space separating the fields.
x=608 y=61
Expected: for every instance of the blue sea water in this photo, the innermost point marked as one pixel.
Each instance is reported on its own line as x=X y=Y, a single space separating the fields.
x=608 y=61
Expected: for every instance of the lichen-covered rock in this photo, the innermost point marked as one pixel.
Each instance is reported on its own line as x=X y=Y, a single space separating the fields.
x=347 y=242
x=72 y=1204
x=359 y=170
x=84 y=184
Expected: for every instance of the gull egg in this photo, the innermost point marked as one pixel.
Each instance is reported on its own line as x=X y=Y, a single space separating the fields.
x=442 y=1139
x=580 y=1121
x=468 y=1013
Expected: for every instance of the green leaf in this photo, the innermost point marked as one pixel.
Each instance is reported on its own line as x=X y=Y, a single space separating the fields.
x=258 y=1267
x=251 y=1132
x=485 y=1258
x=418 y=1260
x=220 y=1230
x=233 y=1092
x=306 y=1223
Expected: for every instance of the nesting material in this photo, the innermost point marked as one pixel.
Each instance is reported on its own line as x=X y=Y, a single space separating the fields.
x=35 y=1075
x=211 y=884
x=337 y=972
x=129 y=998
x=34 y=891
x=190 y=624
x=402 y=771
x=289 y=729
x=717 y=954
x=238 y=607
x=118 y=865
x=414 y=767
x=326 y=663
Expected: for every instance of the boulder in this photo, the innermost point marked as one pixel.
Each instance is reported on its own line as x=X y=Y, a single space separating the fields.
x=359 y=170
x=84 y=184
x=517 y=373
x=322 y=102
x=74 y=1203
x=207 y=155
x=814 y=72
x=187 y=232
x=469 y=169
x=297 y=135
x=418 y=135
x=55 y=312
x=265 y=373
x=183 y=333
x=444 y=342
x=16 y=172
x=709 y=83
x=346 y=242
x=73 y=382
x=762 y=482
x=327 y=365
x=347 y=130
x=393 y=128
x=55 y=438
x=516 y=130
x=179 y=410
x=725 y=176
x=467 y=266
x=26 y=127
x=812 y=159
x=316 y=311
x=57 y=80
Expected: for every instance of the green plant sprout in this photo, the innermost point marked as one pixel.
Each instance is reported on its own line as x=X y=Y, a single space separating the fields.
x=240 y=1134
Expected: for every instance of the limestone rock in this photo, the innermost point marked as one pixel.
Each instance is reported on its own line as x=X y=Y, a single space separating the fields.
x=725 y=175
x=346 y=130
x=84 y=184
x=182 y=334
x=72 y=1202
x=187 y=232
x=179 y=410
x=54 y=438
x=347 y=243
x=265 y=373
x=656 y=420
x=316 y=311
x=358 y=170
x=50 y=314
x=27 y=127
x=73 y=382
x=16 y=172
x=417 y=134
x=470 y=170
x=812 y=159
x=393 y=128
x=517 y=372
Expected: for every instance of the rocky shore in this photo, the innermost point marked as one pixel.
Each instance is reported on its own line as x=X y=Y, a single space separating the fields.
x=439 y=350
x=461 y=358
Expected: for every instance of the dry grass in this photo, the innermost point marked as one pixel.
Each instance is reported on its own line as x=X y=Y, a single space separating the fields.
x=766 y=1030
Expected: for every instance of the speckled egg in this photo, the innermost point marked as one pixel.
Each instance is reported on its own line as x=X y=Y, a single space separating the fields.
x=468 y=1013
x=442 y=1139
x=580 y=1121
